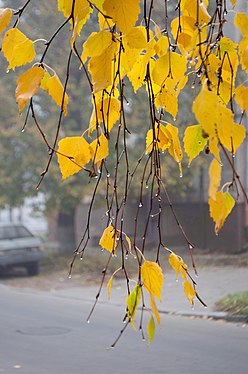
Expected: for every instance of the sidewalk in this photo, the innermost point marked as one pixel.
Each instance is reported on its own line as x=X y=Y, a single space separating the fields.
x=213 y=283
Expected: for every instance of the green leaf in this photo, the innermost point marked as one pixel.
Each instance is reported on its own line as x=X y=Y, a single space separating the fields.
x=151 y=329
x=194 y=142
x=132 y=303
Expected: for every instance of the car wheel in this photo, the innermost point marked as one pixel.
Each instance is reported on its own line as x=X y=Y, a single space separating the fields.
x=33 y=268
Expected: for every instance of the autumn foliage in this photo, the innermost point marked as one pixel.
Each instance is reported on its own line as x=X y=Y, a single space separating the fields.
x=129 y=45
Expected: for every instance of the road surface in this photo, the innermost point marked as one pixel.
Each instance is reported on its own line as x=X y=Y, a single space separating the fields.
x=41 y=333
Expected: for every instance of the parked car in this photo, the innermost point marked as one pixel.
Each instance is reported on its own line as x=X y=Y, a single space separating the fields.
x=19 y=247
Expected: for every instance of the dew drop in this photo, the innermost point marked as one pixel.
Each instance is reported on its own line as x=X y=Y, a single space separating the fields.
x=192 y=308
x=127 y=103
x=143 y=339
x=174 y=119
x=88 y=321
x=7 y=71
x=134 y=257
x=205 y=307
x=233 y=156
x=81 y=258
x=96 y=176
x=147 y=186
x=102 y=250
x=23 y=130
x=181 y=175
x=124 y=321
x=176 y=280
x=122 y=219
x=190 y=246
x=140 y=205
x=108 y=175
x=193 y=86
x=69 y=276
x=126 y=257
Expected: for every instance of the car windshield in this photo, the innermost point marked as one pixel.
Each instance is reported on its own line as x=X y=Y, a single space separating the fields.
x=12 y=232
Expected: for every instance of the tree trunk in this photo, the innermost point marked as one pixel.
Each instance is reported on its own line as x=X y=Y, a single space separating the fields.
x=66 y=231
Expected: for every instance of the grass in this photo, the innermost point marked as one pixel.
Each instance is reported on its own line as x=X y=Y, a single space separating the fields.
x=236 y=303
x=92 y=264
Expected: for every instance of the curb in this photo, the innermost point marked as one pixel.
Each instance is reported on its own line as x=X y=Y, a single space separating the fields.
x=209 y=315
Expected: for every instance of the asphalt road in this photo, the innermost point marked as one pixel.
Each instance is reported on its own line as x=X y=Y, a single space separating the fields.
x=45 y=334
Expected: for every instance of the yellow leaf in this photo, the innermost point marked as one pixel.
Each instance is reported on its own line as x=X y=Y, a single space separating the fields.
x=81 y=12
x=241 y=95
x=128 y=242
x=17 y=48
x=169 y=69
x=196 y=9
x=102 y=69
x=186 y=36
x=215 y=178
x=175 y=149
x=194 y=142
x=73 y=154
x=158 y=139
x=225 y=91
x=138 y=72
x=162 y=45
x=55 y=89
x=152 y=278
x=5 y=17
x=132 y=303
x=187 y=25
x=106 y=111
x=128 y=59
x=210 y=111
x=189 y=291
x=104 y=23
x=136 y=38
x=167 y=99
x=241 y=21
x=124 y=13
x=99 y=149
x=177 y=263
x=27 y=85
x=151 y=329
x=108 y=239
x=213 y=147
x=109 y=286
x=231 y=135
x=154 y=308
x=228 y=47
x=243 y=53
x=220 y=208
x=233 y=2
x=96 y=43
